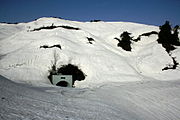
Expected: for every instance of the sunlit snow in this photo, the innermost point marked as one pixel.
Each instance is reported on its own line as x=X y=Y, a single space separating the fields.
x=119 y=85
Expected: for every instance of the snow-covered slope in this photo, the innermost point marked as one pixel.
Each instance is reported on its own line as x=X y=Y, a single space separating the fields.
x=22 y=59
x=119 y=85
x=155 y=100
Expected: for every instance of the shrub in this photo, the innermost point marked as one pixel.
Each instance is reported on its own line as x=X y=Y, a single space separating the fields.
x=165 y=35
x=145 y=34
x=69 y=69
x=149 y=33
x=90 y=40
x=58 y=46
x=46 y=46
x=47 y=27
x=167 y=38
x=73 y=70
x=95 y=20
x=69 y=27
x=52 y=72
x=168 y=47
x=53 y=27
x=125 y=42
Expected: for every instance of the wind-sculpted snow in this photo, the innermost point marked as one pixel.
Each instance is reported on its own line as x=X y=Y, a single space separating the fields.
x=22 y=59
x=152 y=100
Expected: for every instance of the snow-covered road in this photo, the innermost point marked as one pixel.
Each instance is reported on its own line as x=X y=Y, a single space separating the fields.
x=150 y=100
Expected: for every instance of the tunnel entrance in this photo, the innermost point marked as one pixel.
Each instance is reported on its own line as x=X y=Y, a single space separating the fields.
x=73 y=70
x=62 y=84
x=69 y=69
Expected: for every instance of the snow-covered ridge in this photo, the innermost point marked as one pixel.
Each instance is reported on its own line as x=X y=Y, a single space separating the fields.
x=22 y=59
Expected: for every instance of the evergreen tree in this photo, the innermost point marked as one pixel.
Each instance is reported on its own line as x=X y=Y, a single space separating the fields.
x=165 y=33
x=166 y=38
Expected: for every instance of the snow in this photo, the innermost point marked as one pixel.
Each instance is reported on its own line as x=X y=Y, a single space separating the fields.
x=115 y=101
x=119 y=84
x=101 y=61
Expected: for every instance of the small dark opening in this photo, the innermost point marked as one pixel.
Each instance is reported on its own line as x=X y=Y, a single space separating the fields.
x=63 y=78
x=62 y=84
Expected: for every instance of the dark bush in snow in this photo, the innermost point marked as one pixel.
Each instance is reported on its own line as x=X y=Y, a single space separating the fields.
x=56 y=17
x=95 y=20
x=52 y=72
x=90 y=40
x=137 y=39
x=73 y=70
x=165 y=33
x=168 y=47
x=69 y=69
x=117 y=39
x=146 y=34
x=53 y=27
x=149 y=33
x=167 y=38
x=69 y=27
x=58 y=46
x=47 y=27
x=10 y=22
x=46 y=46
x=125 y=42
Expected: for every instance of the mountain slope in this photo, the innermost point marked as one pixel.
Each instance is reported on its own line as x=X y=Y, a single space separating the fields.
x=119 y=84
x=22 y=59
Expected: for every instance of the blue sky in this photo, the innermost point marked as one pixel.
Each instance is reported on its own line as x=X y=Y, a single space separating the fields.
x=154 y=12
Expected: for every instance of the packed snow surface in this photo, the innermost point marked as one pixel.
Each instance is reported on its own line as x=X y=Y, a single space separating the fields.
x=119 y=84
x=154 y=100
